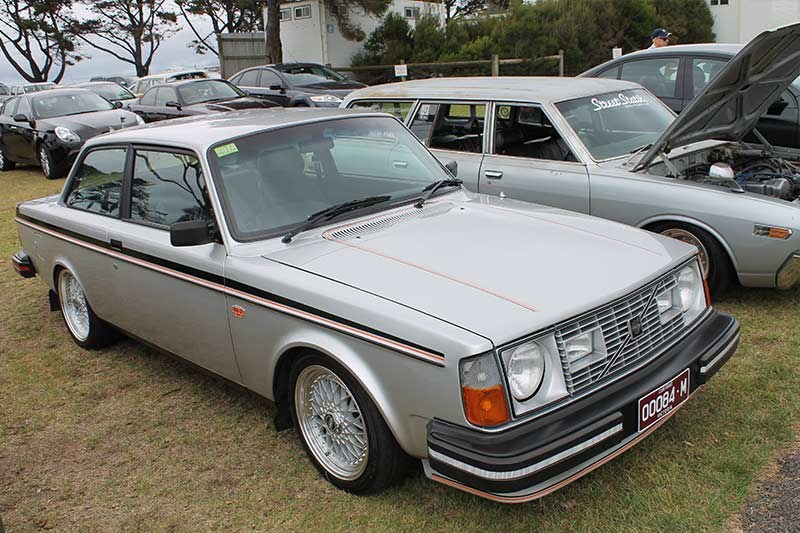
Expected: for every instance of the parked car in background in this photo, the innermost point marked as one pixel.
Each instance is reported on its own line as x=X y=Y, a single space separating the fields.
x=48 y=128
x=327 y=261
x=110 y=91
x=193 y=97
x=612 y=149
x=296 y=84
x=125 y=81
x=143 y=84
x=26 y=88
x=676 y=74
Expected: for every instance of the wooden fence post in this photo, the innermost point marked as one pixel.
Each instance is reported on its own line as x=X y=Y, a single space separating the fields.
x=561 y=63
x=403 y=62
x=495 y=65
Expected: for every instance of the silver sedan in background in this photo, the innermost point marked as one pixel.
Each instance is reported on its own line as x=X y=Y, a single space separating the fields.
x=612 y=149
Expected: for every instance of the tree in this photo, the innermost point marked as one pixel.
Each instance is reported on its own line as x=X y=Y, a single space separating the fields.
x=226 y=16
x=130 y=30
x=349 y=30
x=33 y=32
x=689 y=20
x=454 y=9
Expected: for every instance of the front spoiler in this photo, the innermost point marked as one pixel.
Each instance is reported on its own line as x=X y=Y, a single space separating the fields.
x=536 y=458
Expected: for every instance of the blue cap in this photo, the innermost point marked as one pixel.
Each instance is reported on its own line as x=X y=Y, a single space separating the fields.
x=660 y=33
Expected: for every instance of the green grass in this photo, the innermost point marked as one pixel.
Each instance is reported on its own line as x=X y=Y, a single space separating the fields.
x=126 y=438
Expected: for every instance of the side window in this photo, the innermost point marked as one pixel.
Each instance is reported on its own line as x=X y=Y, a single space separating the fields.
x=24 y=108
x=164 y=95
x=167 y=188
x=269 y=78
x=703 y=71
x=610 y=74
x=525 y=131
x=249 y=78
x=659 y=76
x=97 y=185
x=398 y=109
x=10 y=107
x=149 y=98
x=455 y=126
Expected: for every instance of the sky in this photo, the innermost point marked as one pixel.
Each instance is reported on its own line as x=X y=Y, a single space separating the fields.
x=173 y=52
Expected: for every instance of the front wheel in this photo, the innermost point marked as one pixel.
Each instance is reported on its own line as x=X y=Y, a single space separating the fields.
x=5 y=162
x=86 y=328
x=714 y=262
x=341 y=430
x=51 y=168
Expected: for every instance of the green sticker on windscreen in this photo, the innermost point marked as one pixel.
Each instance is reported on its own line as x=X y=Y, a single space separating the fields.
x=226 y=149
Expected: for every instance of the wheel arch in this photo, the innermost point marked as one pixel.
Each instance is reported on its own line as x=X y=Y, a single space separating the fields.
x=658 y=219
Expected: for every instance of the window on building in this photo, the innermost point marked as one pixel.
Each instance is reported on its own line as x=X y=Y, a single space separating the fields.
x=340 y=10
x=302 y=12
x=167 y=188
x=97 y=185
x=286 y=14
x=411 y=12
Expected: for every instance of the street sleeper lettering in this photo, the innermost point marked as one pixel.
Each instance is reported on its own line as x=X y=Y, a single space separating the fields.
x=620 y=100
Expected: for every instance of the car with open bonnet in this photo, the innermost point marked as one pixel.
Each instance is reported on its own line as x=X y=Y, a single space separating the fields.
x=612 y=149
x=326 y=260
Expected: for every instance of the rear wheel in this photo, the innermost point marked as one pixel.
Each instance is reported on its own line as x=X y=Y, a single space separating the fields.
x=714 y=261
x=342 y=431
x=51 y=168
x=85 y=327
x=5 y=163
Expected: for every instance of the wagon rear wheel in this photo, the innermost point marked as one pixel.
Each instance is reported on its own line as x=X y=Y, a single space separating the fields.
x=342 y=431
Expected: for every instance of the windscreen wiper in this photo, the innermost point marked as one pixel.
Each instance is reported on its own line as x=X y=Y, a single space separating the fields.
x=435 y=186
x=635 y=152
x=333 y=212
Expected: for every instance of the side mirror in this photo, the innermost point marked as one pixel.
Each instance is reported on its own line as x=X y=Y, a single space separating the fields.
x=117 y=104
x=190 y=233
x=452 y=166
x=21 y=117
x=277 y=87
x=173 y=103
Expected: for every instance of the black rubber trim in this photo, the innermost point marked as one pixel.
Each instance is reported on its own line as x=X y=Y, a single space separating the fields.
x=564 y=428
x=233 y=284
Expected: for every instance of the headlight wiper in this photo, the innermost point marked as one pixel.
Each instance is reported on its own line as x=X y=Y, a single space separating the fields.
x=334 y=211
x=435 y=186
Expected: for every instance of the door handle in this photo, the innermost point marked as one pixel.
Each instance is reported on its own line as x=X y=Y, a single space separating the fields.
x=116 y=245
x=493 y=174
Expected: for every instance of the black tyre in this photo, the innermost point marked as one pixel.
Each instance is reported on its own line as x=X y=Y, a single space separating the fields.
x=86 y=328
x=342 y=431
x=5 y=163
x=716 y=265
x=51 y=168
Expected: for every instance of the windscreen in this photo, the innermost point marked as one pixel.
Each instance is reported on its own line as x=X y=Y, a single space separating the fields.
x=274 y=180
x=61 y=104
x=302 y=75
x=208 y=91
x=112 y=92
x=616 y=124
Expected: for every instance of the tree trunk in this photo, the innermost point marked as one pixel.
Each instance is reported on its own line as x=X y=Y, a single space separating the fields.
x=273 y=32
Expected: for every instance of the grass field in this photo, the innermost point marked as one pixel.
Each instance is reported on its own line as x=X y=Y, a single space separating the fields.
x=126 y=438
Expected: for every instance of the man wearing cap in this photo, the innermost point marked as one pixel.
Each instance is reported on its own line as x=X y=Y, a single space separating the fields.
x=660 y=37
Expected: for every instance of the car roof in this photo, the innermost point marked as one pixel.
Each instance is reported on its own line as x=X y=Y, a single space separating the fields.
x=170 y=74
x=689 y=49
x=179 y=83
x=527 y=88
x=201 y=132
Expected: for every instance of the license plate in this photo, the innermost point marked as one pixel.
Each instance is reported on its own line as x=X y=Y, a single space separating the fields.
x=659 y=403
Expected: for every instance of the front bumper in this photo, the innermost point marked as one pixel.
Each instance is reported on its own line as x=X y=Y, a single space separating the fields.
x=531 y=460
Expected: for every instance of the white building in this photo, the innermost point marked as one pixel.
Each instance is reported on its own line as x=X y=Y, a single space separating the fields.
x=310 y=33
x=738 y=21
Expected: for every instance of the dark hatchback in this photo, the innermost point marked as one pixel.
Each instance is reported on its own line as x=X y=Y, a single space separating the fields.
x=677 y=73
x=296 y=84
x=48 y=128
x=193 y=97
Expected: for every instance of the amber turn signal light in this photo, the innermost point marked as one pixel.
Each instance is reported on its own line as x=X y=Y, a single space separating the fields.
x=773 y=232
x=485 y=407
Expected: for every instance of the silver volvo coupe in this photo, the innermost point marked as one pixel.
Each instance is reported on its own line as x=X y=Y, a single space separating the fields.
x=327 y=261
x=612 y=149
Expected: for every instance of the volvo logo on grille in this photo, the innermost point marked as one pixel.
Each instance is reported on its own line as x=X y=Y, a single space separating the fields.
x=635 y=327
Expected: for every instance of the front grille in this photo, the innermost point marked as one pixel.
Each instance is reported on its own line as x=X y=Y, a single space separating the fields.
x=613 y=322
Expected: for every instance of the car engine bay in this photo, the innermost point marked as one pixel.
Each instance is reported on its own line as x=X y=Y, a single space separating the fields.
x=739 y=167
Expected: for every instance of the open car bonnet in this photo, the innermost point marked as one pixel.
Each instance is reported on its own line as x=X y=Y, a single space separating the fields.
x=734 y=100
